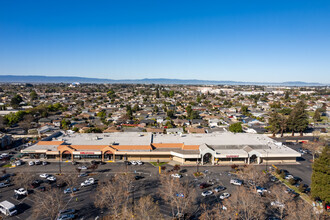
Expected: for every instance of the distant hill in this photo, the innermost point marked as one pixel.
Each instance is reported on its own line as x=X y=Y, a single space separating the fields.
x=71 y=79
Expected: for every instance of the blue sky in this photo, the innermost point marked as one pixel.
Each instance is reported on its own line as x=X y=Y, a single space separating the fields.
x=262 y=41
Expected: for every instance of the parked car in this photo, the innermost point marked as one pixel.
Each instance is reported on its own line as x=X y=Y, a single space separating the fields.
x=70 y=190
x=207 y=193
x=138 y=177
x=37 y=162
x=61 y=184
x=224 y=196
x=51 y=178
x=41 y=188
x=18 y=162
x=236 y=182
x=139 y=162
x=176 y=175
x=93 y=162
x=36 y=183
x=31 y=163
x=133 y=162
x=289 y=176
x=273 y=179
x=44 y=163
x=82 y=168
x=2 y=185
x=66 y=217
x=67 y=211
x=21 y=191
x=83 y=174
x=261 y=190
x=219 y=188
x=204 y=185
x=88 y=182
x=44 y=175
x=277 y=204
x=18 y=196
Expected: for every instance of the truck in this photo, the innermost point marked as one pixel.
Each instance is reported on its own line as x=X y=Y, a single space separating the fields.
x=8 y=208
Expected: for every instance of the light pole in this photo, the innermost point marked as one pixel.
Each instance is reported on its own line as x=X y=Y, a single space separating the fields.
x=59 y=161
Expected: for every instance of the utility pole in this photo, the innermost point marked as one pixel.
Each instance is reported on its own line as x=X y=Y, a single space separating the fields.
x=59 y=161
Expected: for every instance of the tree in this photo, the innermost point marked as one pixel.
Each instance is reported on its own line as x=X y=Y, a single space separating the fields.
x=298 y=119
x=111 y=94
x=135 y=108
x=129 y=111
x=278 y=194
x=287 y=95
x=23 y=180
x=16 y=100
x=65 y=123
x=313 y=147
x=216 y=212
x=244 y=110
x=147 y=209
x=236 y=127
x=317 y=115
x=26 y=122
x=244 y=205
x=157 y=93
x=170 y=113
x=274 y=123
x=70 y=179
x=114 y=195
x=256 y=175
x=33 y=95
x=321 y=176
x=2 y=123
x=48 y=204
x=300 y=209
x=179 y=196
x=102 y=114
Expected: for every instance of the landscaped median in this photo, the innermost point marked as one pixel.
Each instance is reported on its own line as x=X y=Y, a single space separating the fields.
x=155 y=164
x=295 y=189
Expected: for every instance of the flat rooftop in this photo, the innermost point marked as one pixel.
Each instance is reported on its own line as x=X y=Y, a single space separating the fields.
x=225 y=142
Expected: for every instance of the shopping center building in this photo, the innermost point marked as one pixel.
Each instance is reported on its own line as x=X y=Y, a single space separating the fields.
x=213 y=148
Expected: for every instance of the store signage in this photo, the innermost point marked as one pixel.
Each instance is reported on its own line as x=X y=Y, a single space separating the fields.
x=86 y=152
x=232 y=156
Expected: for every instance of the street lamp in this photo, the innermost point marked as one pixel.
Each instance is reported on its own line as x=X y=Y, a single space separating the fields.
x=59 y=160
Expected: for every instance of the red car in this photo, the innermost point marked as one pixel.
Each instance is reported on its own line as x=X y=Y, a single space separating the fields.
x=204 y=185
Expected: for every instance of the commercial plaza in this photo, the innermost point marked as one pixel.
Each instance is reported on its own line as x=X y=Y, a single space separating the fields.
x=213 y=148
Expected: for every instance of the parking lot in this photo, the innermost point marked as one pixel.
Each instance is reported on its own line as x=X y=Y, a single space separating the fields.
x=83 y=199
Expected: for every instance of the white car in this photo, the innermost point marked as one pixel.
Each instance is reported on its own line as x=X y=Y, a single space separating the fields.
x=277 y=204
x=224 y=195
x=88 y=182
x=31 y=163
x=18 y=162
x=4 y=185
x=44 y=175
x=207 y=193
x=37 y=162
x=134 y=162
x=139 y=162
x=288 y=177
x=236 y=182
x=176 y=175
x=51 y=178
x=261 y=190
x=21 y=191
x=82 y=168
